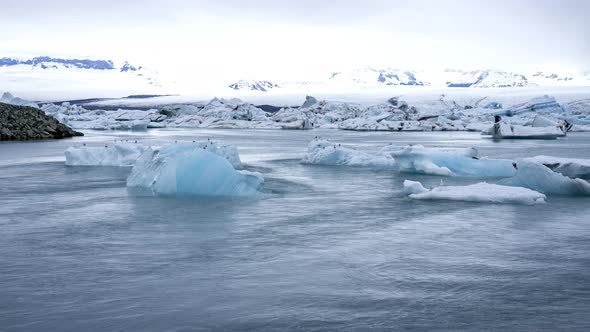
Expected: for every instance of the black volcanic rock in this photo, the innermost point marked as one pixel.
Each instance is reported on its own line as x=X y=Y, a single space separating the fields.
x=24 y=123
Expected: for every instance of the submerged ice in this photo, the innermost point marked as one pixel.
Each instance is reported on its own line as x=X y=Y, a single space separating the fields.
x=186 y=170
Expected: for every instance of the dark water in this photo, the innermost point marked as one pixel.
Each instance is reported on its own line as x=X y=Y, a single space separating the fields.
x=328 y=249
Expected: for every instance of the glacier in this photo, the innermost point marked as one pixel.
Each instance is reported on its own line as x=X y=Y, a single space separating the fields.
x=479 y=192
x=183 y=170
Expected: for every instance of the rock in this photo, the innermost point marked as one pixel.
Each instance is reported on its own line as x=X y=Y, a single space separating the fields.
x=24 y=122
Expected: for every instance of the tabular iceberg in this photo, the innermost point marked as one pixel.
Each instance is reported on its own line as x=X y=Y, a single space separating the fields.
x=120 y=155
x=459 y=162
x=479 y=192
x=322 y=152
x=536 y=176
x=183 y=170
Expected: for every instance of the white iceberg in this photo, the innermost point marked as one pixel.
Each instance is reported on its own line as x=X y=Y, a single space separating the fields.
x=181 y=170
x=479 y=192
x=125 y=154
x=120 y=155
x=511 y=131
x=449 y=162
x=536 y=176
x=570 y=167
x=322 y=152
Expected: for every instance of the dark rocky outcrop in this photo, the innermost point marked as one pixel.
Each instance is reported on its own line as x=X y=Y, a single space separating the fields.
x=24 y=123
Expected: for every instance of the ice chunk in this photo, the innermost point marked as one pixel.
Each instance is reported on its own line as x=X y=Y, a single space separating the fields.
x=479 y=192
x=570 y=167
x=544 y=104
x=446 y=162
x=506 y=130
x=536 y=176
x=8 y=98
x=177 y=170
x=322 y=152
x=109 y=155
x=309 y=101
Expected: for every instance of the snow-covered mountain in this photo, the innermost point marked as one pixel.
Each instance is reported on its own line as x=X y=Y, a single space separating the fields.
x=253 y=85
x=373 y=76
x=485 y=79
x=50 y=77
x=45 y=62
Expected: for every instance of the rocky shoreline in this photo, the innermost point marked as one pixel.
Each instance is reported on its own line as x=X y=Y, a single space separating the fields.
x=28 y=123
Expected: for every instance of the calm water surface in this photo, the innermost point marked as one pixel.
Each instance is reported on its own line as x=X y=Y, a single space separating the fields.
x=327 y=248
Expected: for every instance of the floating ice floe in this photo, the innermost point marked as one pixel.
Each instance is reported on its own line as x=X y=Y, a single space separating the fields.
x=570 y=167
x=322 y=152
x=534 y=175
x=479 y=192
x=120 y=155
x=449 y=162
x=182 y=170
x=510 y=131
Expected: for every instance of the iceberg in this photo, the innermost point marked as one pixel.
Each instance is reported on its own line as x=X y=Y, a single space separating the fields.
x=322 y=152
x=541 y=104
x=120 y=155
x=570 y=167
x=479 y=192
x=125 y=154
x=510 y=131
x=534 y=175
x=8 y=98
x=181 y=170
x=449 y=162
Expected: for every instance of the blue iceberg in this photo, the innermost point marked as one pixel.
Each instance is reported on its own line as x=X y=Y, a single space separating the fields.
x=182 y=170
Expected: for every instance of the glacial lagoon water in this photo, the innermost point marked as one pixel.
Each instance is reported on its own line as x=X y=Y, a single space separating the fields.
x=326 y=248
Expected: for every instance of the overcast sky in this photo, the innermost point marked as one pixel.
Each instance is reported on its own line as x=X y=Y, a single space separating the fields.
x=295 y=39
